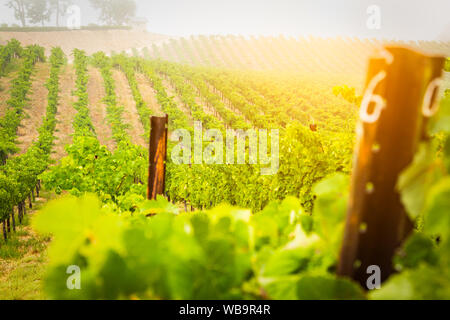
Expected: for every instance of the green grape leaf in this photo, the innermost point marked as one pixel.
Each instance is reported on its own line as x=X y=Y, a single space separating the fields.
x=422 y=283
x=442 y=120
x=157 y=206
x=417 y=179
x=436 y=216
x=330 y=210
x=399 y=287
x=53 y=219
x=331 y=203
x=328 y=287
x=285 y=262
x=418 y=248
x=116 y=280
x=280 y=287
x=447 y=153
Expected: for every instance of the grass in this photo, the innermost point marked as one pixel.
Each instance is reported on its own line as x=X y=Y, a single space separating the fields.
x=12 y=67
x=23 y=260
x=22 y=243
x=10 y=71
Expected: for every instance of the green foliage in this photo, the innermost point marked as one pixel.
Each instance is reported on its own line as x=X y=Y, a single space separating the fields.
x=91 y=167
x=128 y=247
x=19 y=176
x=115 y=12
x=348 y=94
x=82 y=123
x=418 y=249
x=328 y=288
x=8 y=52
x=317 y=155
x=223 y=253
x=18 y=98
x=114 y=112
x=425 y=191
x=38 y=11
x=129 y=66
x=188 y=95
x=177 y=119
x=419 y=178
x=241 y=185
x=117 y=177
x=441 y=123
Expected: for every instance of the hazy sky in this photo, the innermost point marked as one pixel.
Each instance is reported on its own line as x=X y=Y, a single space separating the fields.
x=400 y=19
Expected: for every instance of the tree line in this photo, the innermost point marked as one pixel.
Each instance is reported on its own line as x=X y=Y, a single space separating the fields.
x=111 y=12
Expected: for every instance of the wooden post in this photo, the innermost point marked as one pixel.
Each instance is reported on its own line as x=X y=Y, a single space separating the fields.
x=392 y=119
x=13 y=220
x=158 y=154
x=19 y=210
x=5 y=233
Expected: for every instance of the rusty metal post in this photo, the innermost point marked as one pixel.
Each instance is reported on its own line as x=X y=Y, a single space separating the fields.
x=392 y=120
x=158 y=154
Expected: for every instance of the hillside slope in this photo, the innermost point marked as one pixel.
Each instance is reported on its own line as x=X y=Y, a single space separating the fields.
x=87 y=40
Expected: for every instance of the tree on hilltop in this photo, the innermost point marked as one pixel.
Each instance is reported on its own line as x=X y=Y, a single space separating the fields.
x=115 y=12
x=59 y=7
x=20 y=10
x=38 y=11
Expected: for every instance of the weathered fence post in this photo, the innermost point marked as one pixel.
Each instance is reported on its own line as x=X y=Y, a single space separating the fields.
x=400 y=92
x=158 y=154
x=5 y=233
x=13 y=219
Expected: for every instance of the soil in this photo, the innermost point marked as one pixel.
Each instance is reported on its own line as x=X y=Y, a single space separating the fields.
x=37 y=106
x=96 y=92
x=66 y=112
x=89 y=41
x=148 y=94
x=130 y=114
x=5 y=86
x=172 y=92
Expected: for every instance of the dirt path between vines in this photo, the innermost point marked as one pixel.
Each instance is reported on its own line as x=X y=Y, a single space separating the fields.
x=148 y=94
x=171 y=92
x=5 y=86
x=37 y=106
x=130 y=114
x=66 y=112
x=96 y=92
x=23 y=259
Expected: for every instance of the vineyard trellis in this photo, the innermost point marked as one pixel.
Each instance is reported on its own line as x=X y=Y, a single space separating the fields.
x=393 y=121
x=19 y=175
x=287 y=244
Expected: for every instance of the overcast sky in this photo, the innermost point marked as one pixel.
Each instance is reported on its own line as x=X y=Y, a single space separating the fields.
x=400 y=19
